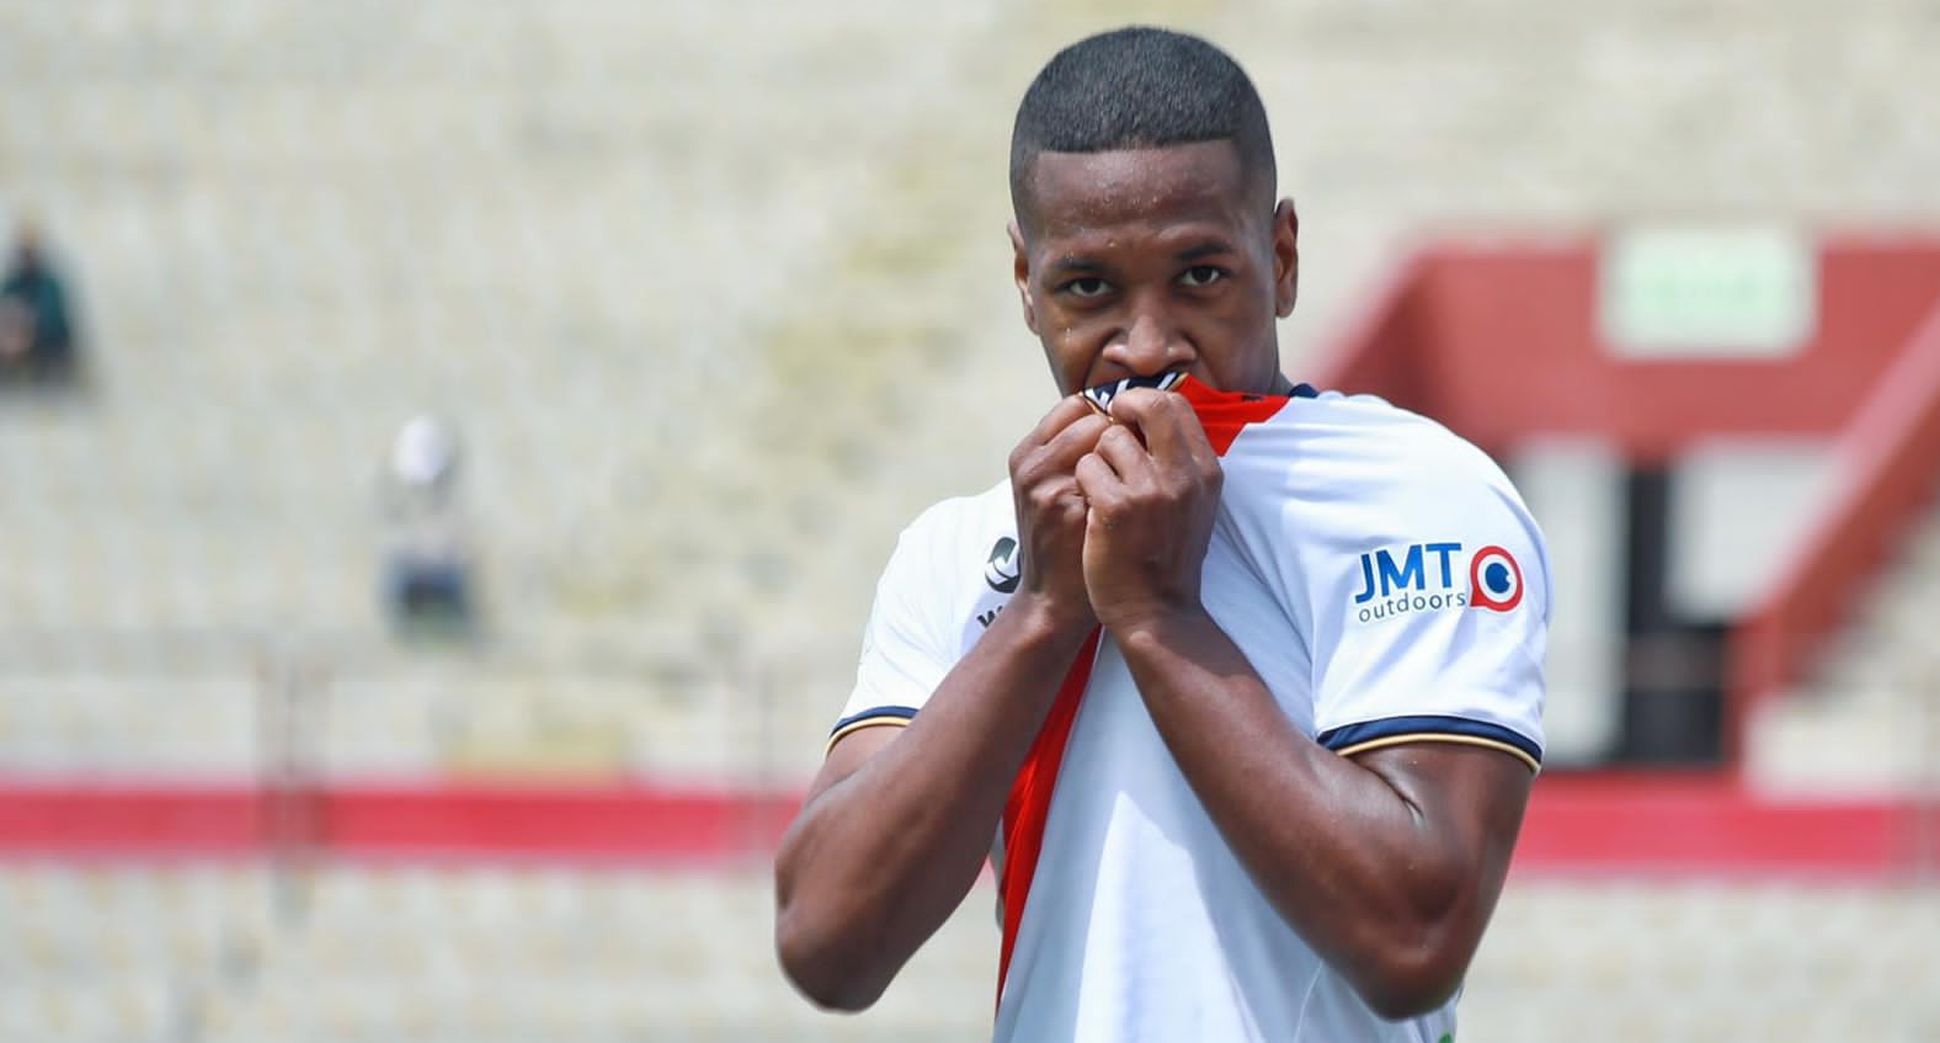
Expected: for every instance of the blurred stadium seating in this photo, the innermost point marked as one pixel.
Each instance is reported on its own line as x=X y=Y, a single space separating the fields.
x=297 y=229
x=715 y=293
x=489 y=954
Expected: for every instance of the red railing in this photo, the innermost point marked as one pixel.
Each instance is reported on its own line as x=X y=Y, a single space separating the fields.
x=1888 y=459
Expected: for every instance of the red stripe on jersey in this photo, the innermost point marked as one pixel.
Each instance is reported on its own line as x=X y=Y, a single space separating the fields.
x=1030 y=800
x=1224 y=414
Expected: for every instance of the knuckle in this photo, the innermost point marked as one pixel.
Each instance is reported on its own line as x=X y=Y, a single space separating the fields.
x=1027 y=461
x=1030 y=467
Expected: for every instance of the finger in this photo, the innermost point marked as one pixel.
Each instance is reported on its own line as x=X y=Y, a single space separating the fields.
x=1068 y=410
x=1077 y=439
x=1097 y=480
x=1183 y=448
x=1030 y=459
x=1172 y=433
x=1128 y=458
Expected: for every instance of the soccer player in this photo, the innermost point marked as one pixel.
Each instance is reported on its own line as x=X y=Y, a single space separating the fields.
x=1242 y=680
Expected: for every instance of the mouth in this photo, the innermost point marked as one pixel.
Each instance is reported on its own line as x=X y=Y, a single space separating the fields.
x=1100 y=396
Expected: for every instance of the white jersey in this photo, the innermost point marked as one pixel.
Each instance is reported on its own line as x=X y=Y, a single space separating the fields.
x=1386 y=582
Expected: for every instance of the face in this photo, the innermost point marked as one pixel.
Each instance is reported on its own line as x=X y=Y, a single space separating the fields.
x=1136 y=262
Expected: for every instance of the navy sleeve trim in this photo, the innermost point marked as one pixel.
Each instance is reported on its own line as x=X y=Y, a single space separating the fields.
x=869 y=718
x=1393 y=731
x=904 y=712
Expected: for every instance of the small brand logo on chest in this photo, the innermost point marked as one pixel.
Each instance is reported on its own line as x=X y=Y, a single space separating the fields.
x=1001 y=569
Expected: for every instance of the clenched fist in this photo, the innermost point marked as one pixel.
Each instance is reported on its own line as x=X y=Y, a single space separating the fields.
x=1051 y=510
x=1152 y=489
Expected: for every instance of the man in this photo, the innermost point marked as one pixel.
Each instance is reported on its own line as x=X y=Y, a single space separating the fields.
x=1243 y=679
x=36 y=333
x=428 y=582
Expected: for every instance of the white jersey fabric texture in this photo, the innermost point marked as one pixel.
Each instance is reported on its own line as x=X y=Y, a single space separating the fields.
x=1386 y=582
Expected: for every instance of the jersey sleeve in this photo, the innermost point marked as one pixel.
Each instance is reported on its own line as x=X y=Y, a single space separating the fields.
x=905 y=648
x=1431 y=613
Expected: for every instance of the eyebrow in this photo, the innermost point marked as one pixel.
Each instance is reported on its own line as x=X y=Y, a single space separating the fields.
x=1073 y=263
x=1076 y=264
x=1207 y=248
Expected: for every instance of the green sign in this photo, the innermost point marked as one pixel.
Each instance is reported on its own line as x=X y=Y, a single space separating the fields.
x=1708 y=293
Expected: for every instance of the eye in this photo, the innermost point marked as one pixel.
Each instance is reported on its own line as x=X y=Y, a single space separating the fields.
x=1087 y=287
x=1202 y=275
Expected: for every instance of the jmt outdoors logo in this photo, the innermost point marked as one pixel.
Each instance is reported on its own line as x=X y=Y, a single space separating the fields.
x=1421 y=577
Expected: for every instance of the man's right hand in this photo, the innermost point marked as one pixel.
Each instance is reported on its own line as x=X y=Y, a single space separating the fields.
x=898 y=822
x=1051 y=510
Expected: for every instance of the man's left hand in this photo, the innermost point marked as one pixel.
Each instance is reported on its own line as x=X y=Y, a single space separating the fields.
x=1152 y=485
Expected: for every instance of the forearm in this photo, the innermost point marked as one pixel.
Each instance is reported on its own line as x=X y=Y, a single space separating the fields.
x=1353 y=864
x=878 y=861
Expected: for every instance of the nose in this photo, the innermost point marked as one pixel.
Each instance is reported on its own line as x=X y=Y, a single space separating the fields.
x=1151 y=344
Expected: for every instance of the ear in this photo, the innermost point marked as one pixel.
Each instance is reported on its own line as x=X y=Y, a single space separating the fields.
x=1020 y=271
x=1286 y=258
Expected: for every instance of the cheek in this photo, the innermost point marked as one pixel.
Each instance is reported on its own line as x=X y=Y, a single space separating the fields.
x=1071 y=351
x=1236 y=343
x=1071 y=369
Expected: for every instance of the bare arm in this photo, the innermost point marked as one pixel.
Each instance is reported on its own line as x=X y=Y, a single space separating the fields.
x=1389 y=864
x=899 y=821
x=898 y=825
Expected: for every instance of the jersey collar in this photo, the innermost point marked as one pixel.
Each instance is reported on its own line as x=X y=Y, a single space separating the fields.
x=1224 y=414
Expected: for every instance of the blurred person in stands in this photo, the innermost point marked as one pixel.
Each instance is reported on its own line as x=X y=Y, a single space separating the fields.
x=1242 y=679
x=37 y=338
x=428 y=585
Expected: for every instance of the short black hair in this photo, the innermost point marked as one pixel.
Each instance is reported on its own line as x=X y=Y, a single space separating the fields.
x=1139 y=87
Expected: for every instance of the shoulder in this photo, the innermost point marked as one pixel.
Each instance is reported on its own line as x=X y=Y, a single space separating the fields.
x=958 y=520
x=1337 y=480
x=1396 y=441
x=1359 y=449
x=952 y=564
x=941 y=542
